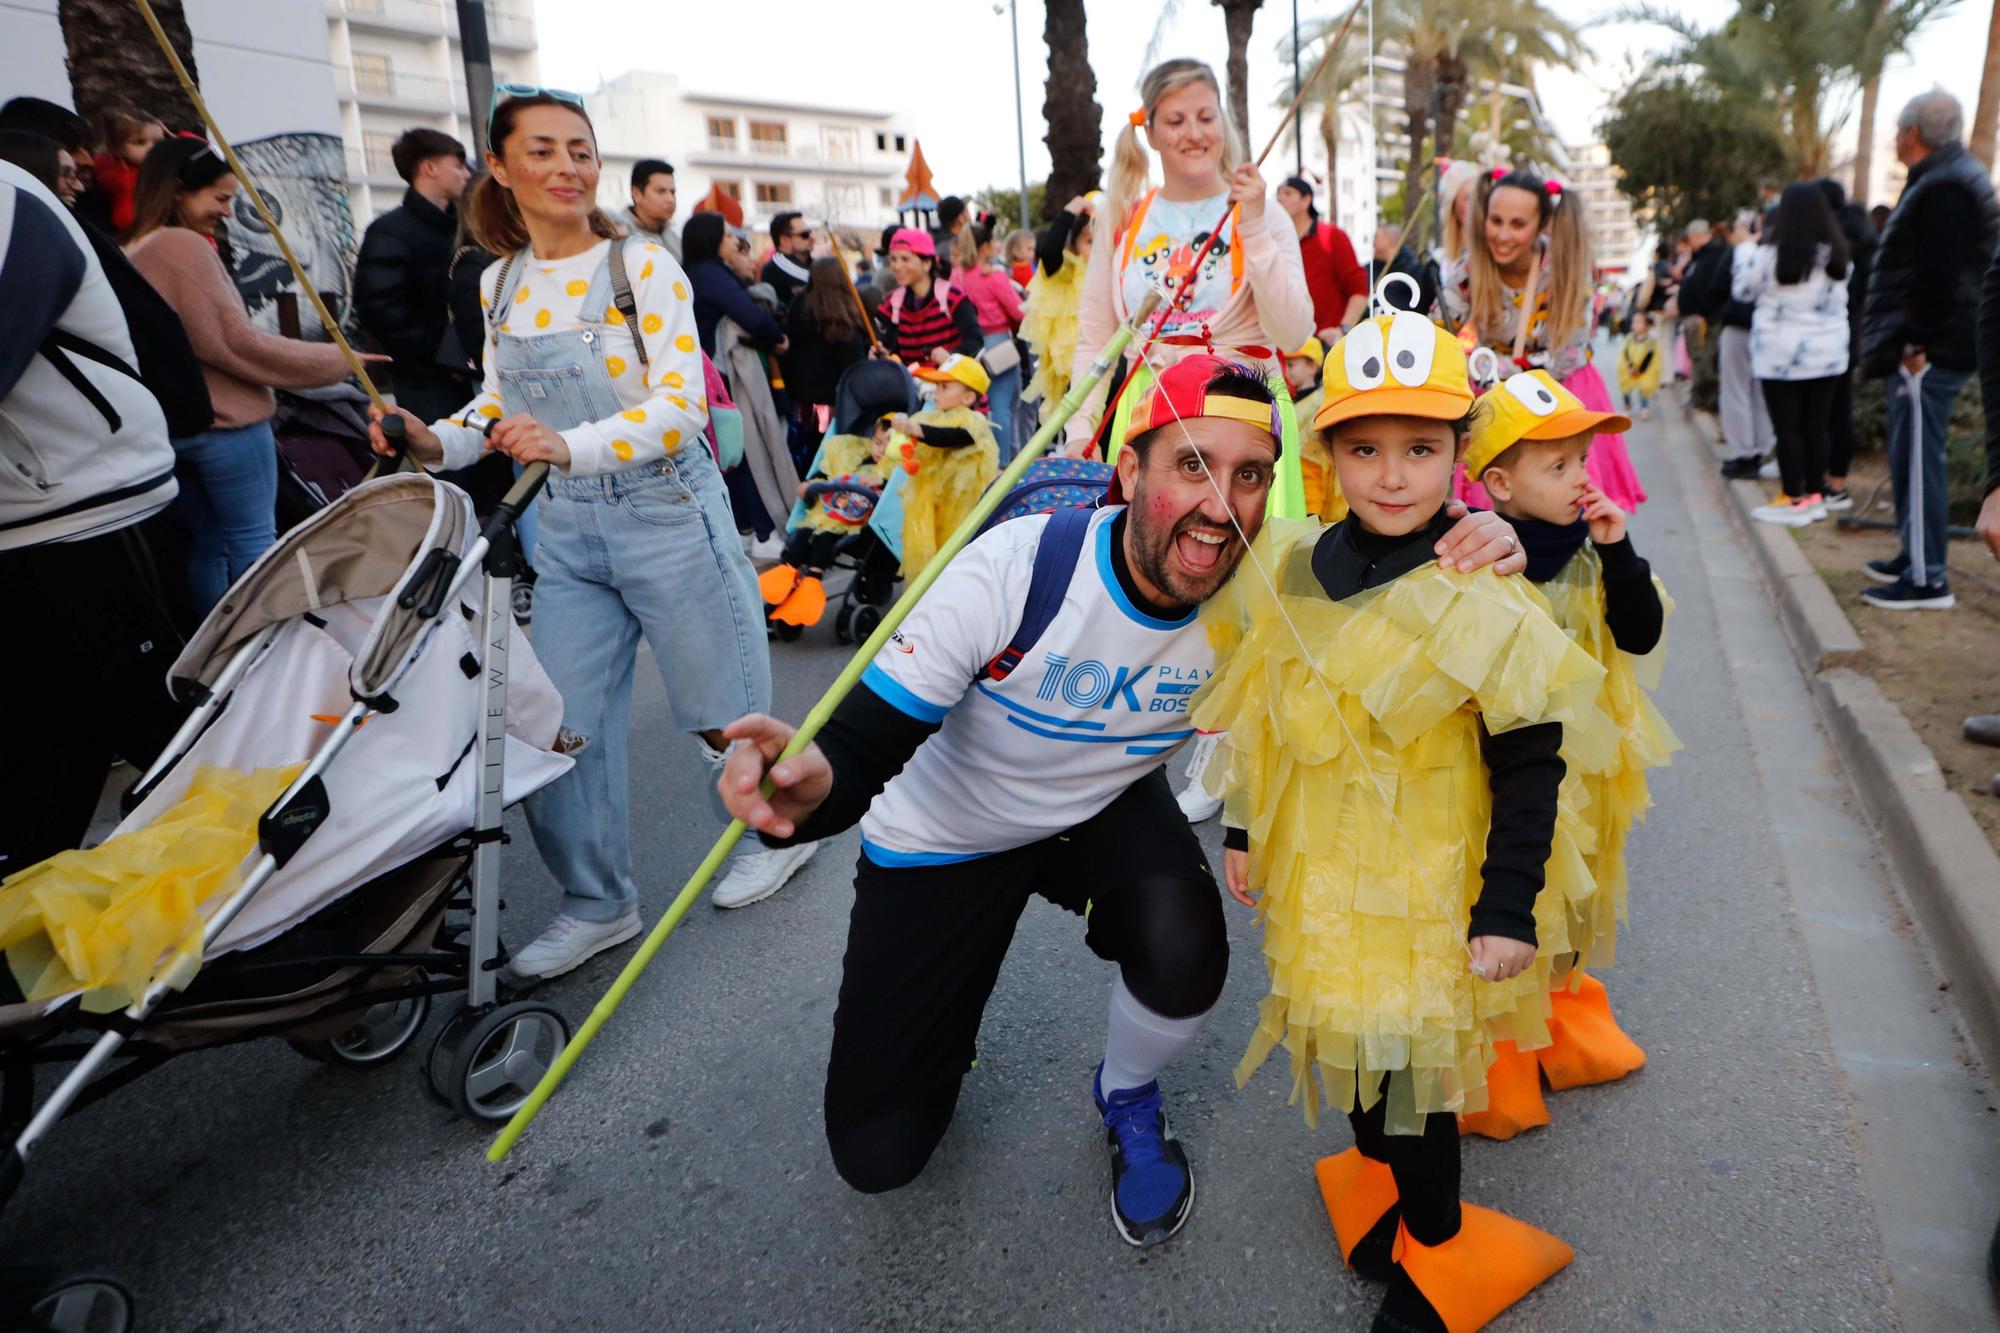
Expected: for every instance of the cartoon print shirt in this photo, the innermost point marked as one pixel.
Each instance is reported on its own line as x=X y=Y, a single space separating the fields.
x=1163 y=246
x=1100 y=702
x=1455 y=296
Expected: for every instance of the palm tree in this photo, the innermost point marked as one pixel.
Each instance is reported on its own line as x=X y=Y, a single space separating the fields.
x=114 y=61
x=1069 y=106
x=1987 y=115
x=1329 y=88
x=1890 y=27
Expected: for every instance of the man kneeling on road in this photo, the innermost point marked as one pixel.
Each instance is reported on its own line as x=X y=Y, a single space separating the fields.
x=1010 y=741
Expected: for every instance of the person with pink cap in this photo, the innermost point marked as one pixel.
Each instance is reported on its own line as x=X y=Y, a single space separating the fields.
x=927 y=318
x=1009 y=743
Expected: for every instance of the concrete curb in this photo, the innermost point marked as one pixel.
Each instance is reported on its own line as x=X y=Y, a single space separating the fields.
x=1949 y=873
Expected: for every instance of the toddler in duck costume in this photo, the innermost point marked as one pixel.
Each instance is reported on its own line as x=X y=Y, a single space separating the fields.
x=1528 y=447
x=793 y=591
x=1302 y=377
x=951 y=456
x=1391 y=771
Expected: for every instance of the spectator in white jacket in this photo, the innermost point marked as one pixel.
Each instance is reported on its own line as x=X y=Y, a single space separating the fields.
x=1799 y=341
x=84 y=458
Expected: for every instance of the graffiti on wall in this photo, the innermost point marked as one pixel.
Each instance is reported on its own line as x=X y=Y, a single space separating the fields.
x=304 y=181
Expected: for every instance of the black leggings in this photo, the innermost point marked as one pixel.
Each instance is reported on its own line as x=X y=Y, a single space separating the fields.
x=925 y=945
x=1800 y=411
x=1425 y=1165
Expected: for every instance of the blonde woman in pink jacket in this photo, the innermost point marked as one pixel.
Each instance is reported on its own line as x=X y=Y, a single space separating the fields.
x=1249 y=301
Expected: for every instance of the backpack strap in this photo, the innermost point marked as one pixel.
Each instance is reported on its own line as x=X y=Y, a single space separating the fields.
x=621 y=296
x=58 y=347
x=501 y=291
x=1055 y=565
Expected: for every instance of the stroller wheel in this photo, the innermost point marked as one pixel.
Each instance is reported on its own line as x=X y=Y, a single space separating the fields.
x=843 y=624
x=786 y=633
x=378 y=1033
x=866 y=618
x=86 y=1303
x=502 y=1056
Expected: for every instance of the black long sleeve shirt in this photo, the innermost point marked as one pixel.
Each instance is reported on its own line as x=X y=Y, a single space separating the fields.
x=1632 y=608
x=1052 y=242
x=1989 y=368
x=1524 y=766
x=867 y=741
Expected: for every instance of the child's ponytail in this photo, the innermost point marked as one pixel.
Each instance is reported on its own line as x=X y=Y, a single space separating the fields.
x=1569 y=265
x=1131 y=172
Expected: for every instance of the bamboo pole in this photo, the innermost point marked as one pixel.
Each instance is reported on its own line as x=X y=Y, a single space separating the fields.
x=867 y=321
x=821 y=713
x=1528 y=297
x=257 y=198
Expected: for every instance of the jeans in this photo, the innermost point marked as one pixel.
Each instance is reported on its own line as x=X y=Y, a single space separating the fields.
x=1799 y=411
x=1919 y=411
x=1746 y=421
x=228 y=500
x=1002 y=396
x=647 y=552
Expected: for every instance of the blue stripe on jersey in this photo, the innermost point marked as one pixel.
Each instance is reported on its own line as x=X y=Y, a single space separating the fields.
x=889 y=860
x=1049 y=718
x=899 y=697
x=1118 y=597
x=1166 y=736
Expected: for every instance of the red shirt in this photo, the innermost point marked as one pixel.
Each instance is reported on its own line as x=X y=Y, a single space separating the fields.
x=1333 y=275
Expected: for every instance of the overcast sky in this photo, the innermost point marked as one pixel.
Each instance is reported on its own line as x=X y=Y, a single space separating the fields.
x=809 y=50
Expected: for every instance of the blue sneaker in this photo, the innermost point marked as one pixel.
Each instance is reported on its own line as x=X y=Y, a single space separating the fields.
x=1152 y=1189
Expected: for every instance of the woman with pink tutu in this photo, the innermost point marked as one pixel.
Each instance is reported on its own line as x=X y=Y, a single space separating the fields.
x=1525 y=232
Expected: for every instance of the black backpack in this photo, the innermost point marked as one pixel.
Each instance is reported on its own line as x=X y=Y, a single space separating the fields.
x=168 y=366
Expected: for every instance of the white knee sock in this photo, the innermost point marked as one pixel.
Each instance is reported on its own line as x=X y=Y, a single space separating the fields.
x=1139 y=1043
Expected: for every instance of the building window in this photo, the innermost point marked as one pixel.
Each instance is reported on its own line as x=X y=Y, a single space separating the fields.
x=734 y=189
x=774 y=192
x=376 y=146
x=881 y=142
x=372 y=74
x=722 y=132
x=886 y=196
x=841 y=142
x=767 y=136
x=901 y=144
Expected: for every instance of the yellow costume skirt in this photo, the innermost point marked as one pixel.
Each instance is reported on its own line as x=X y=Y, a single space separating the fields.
x=111 y=919
x=1355 y=765
x=944 y=484
x=1608 y=751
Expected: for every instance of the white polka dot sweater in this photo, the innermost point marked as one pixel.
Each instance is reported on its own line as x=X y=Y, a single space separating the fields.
x=665 y=409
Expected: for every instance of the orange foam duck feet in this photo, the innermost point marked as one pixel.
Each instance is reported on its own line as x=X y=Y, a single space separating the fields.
x=1587 y=1045
x=1359 y=1192
x=775 y=584
x=805 y=605
x=1513 y=1096
x=1489 y=1265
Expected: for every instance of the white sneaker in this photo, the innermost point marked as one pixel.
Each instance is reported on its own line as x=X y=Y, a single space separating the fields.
x=766 y=552
x=1194 y=800
x=755 y=876
x=1769 y=470
x=1791 y=513
x=567 y=943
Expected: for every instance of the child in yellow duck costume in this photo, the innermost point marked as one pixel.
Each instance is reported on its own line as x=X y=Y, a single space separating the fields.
x=1048 y=316
x=951 y=456
x=1302 y=377
x=1393 y=763
x=1528 y=448
x=793 y=591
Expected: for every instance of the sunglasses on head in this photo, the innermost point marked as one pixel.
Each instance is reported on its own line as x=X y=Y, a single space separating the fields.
x=508 y=92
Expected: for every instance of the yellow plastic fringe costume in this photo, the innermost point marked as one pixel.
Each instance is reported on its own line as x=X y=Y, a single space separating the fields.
x=1631 y=356
x=944 y=483
x=111 y=919
x=1608 y=752
x=1322 y=486
x=846 y=457
x=1366 y=952
x=1048 y=326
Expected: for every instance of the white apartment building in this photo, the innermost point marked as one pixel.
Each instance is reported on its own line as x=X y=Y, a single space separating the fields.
x=1592 y=182
x=838 y=164
x=397 y=64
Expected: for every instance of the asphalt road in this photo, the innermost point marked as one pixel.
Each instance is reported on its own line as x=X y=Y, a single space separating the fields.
x=680 y=1179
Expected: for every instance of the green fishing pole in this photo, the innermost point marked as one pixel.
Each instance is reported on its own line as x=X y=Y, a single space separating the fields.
x=821 y=712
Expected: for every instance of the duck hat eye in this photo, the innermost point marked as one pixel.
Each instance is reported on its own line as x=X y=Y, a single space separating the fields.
x=1364 y=355
x=1412 y=348
x=1532 y=394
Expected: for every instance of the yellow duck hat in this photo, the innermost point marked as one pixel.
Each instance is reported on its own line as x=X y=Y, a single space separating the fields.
x=965 y=369
x=1399 y=365
x=1530 y=405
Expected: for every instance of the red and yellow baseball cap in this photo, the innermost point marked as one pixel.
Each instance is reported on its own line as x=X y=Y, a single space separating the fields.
x=1399 y=365
x=1180 y=393
x=964 y=369
x=1530 y=405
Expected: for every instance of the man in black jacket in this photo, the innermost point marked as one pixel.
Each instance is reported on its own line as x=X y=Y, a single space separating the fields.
x=400 y=277
x=1705 y=293
x=1918 y=332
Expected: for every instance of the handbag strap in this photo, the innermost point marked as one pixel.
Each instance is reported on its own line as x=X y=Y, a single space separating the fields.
x=621 y=296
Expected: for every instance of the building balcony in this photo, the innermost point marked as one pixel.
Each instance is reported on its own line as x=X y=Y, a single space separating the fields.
x=806 y=158
x=509 y=28
x=372 y=169
x=394 y=90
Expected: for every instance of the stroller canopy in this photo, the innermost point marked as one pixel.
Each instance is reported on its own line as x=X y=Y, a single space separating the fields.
x=866 y=390
x=370 y=545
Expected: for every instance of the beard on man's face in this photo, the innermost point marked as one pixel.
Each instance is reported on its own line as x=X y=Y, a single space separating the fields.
x=1182 y=558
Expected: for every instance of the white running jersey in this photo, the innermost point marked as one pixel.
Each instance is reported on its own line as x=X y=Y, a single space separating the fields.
x=1099 y=702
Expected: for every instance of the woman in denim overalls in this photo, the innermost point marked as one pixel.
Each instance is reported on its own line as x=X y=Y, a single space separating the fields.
x=635 y=536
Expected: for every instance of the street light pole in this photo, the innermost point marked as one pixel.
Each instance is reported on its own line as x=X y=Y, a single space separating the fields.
x=1298 y=108
x=477 y=53
x=1020 y=123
